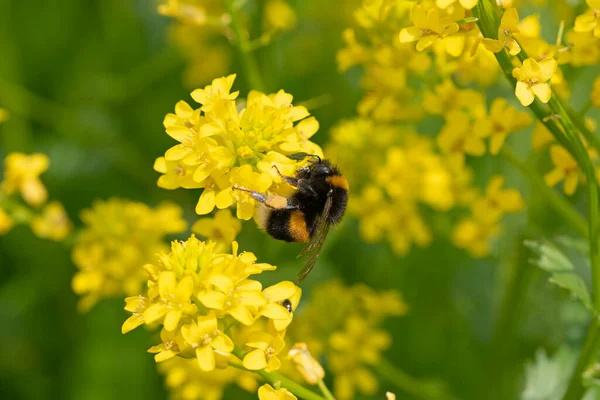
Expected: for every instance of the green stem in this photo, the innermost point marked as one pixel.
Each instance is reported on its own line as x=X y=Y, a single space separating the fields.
x=325 y=390
x=570 y=139
x=276 y=378
x=245 y=47
x=416 y=388
x=591 y=347
x=587 y=107
x=558 y=202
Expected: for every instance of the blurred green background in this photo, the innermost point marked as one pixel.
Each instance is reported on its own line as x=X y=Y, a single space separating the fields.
x=89 y=82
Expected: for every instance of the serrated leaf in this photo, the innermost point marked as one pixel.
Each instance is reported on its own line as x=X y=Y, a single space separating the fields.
x=546 y=378
x=575 y=284
x=550 y=258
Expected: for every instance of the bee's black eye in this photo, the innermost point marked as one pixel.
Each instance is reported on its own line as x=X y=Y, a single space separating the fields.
x=287 y=304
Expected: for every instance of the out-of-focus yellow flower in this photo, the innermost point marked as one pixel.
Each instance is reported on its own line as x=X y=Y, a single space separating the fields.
x=476 y=232
x=468 y=4
x=4 y=115
x=428 y=26
x=267 y=392
x=21 y=173
x=53 y=223
x=498 y=201
x=505 y=119
x=222 y=228
x=279 y=16
x=197 y=12
x=221 y=147
x=390 y=396
x=508 y=28
x=350 y=338
x=590 y=20
x=584 y=48
x=185 y=380
x=203 y=299
x=533 y=80
x=6 y=222
x=595 y=97
x=565 y=169
x=474 y=235
x=463 y=135
x=119 y=237
x=310 y=369
x=541 y=136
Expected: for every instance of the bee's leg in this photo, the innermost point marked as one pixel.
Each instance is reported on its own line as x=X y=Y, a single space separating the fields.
x=270 y=200
x=288 y=179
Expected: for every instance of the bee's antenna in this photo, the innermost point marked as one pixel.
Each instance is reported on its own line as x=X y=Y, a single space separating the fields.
x=302 y=156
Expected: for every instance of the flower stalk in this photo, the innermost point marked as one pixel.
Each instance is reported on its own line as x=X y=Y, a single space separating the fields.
x=570 y=139
x=245 y=47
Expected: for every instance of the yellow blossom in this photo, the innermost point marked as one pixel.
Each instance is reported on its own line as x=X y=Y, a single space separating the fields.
x=468 y=4
x=497 y=201
x=206 y=338
x=508 y=28
x=194 y=12
x=565 y=169
x=541 y=136
x=266 y=348
x=306 y=364
x=463 y=135
x=533 y=80
x=222 y=228
x=279 y=16
x=590 y=20
x=474 y=235
x=221 y=147
x=505 y=119
x=267 y=392
x=428 y=26
x=22 y=173
x=203 y=299
x=390 y=396
x=583 y=48
x=118 y=238
x=6 y=222
x=53 y=223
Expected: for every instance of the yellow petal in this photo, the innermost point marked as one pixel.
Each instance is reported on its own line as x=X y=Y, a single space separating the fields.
x=542 y=91
x=553 y=177
x=281 y=291
x=571 y=183
x=495 y=46
x=242 y=314
x=548 y=67
x=154 y=313
x=468 y=4
x=172 y=320
x=410 y=34
x=426 y=42
x=524 y=93
x=275 y=311
x=212 y=299
x=510 y=19
x=224 y=199
x=131 y=323
x=255 y=360
x=222 y=343
x=206 y=358
x=206 y=203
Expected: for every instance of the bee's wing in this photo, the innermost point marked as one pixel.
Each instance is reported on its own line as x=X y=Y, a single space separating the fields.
x=314 y=245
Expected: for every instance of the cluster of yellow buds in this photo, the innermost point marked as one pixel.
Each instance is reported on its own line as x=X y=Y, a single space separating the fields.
x=22 y=194
x=118 y=238
x=221 y=147
x=350 y=340
x=210 y=310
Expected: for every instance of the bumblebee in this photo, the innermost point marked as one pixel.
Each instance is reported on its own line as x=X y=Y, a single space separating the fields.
x=318 y=202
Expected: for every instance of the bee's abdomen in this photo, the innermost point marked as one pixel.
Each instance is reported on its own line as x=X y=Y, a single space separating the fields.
x=288 y=225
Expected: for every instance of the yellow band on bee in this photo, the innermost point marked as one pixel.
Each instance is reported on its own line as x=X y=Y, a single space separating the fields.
x=338 y=181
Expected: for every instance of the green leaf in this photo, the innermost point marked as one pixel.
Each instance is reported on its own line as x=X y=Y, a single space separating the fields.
x=575 y=284
x=550 y=258
x=546 y=378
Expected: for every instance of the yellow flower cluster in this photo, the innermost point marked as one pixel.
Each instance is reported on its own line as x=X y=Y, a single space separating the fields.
x=221 y=146
x=22 y=176
x=118 y=238
x=350 y=339
x=210 y=310
x=475 y=232
x=4 y=115
x=401 y=171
